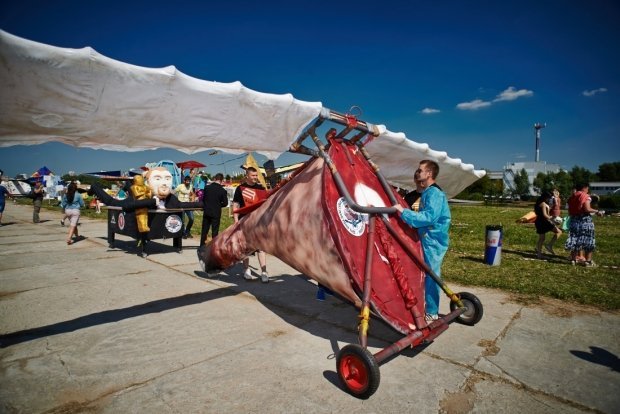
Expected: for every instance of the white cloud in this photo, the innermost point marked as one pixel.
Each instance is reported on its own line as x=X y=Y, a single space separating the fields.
x=511 y=94
x=430 y=111
x=473 y=105
x=593 y=92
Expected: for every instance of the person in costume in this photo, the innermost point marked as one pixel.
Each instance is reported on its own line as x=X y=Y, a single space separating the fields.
x=140 y=191
x=433 y=222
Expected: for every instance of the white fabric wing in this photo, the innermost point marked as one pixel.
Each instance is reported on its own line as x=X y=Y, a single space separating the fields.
x=398 y=157
x=82 y=98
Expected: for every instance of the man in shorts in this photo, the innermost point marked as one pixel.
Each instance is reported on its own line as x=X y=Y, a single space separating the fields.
x=244 y=191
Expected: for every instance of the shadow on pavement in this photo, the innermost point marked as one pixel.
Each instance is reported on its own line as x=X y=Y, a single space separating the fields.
x=110 y=316
x=599 y=356
x=294 y=299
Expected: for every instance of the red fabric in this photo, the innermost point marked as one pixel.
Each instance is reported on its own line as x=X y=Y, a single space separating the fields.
x=388 y=300
x=396 y=265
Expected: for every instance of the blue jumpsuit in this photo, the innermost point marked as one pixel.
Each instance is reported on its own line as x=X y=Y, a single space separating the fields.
x=432 y=222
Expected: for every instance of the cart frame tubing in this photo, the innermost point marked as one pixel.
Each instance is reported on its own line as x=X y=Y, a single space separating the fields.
x=365 y=312
x=374 y=210
x=417 y=337
x=424 y=331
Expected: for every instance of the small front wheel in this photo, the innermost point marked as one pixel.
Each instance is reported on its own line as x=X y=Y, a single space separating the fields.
x=474 y=311
x=358 y=371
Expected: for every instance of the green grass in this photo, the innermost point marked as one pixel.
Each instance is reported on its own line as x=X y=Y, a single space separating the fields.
x=519 y=272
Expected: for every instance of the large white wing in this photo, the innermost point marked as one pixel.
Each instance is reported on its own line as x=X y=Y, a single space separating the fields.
x=82 y=98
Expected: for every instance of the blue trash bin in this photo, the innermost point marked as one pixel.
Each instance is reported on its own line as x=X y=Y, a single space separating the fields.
x=493 y=250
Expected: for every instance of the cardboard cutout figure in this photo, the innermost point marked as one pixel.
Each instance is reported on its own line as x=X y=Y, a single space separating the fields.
x=159 y=179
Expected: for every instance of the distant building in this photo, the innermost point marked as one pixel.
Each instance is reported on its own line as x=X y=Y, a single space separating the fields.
x=531 y=168
x=605 y=188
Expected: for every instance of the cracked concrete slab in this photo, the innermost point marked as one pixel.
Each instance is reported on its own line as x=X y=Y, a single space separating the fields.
x=87 y=328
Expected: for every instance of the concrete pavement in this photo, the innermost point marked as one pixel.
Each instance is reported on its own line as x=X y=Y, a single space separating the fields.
x=88 y=328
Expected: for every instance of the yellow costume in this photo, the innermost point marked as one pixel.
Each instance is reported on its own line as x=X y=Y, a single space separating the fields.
x=140 y=191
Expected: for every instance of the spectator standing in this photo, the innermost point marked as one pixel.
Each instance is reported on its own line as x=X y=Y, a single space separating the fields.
x=433 y=222
x=581 y=236
x=214 y=199
x=3 y=194
x=72 y=202
x=185 y=194
x=199 y=182
x=249 y=184
x=413 y=198
x=37 y=201
x=544 y=224
x=556 y=207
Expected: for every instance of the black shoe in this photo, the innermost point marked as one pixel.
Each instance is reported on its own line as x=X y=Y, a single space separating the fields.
x=185 y=236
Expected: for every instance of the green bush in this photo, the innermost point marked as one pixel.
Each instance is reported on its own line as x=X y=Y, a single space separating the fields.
x=610 y=202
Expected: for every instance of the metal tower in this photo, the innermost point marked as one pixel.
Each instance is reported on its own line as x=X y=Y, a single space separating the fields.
x=537 y=128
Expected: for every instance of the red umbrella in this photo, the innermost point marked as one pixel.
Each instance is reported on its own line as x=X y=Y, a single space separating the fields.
x=190 y=164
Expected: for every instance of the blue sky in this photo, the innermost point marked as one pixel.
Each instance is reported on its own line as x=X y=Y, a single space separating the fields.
x=467 y=77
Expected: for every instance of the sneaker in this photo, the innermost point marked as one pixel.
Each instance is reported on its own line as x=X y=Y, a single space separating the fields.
x=62 y=223
x=264 y=277
x=589 y=263
x=431 y=318
x=573 y=262
x=248 y=275
x=549 y=248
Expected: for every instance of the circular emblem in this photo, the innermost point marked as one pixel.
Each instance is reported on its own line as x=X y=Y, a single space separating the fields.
x=173 y=223
x=121 y=221
x=352 y=221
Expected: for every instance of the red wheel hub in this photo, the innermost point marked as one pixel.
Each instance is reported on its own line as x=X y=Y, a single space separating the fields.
x=354 y=373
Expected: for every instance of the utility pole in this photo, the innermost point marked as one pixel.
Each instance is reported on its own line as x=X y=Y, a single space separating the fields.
x=537 y=128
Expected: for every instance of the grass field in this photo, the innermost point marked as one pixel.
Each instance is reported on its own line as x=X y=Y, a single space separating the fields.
x=520 y=272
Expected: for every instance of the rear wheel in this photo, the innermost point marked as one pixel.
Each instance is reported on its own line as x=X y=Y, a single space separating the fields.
x=358 y=371
x=474 y=311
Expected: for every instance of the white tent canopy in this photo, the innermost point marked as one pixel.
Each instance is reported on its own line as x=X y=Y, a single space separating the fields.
x=82 y=98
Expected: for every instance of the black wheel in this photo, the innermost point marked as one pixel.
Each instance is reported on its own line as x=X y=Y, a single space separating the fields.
x=474 y=311
x=358 y=371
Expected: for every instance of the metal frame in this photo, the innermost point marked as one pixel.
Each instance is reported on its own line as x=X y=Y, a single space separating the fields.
x=424 y=332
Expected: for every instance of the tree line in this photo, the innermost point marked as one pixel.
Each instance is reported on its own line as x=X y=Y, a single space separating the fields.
x=563 y=181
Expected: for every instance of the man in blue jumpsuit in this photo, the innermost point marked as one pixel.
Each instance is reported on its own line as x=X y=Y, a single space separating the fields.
x=433 y=222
